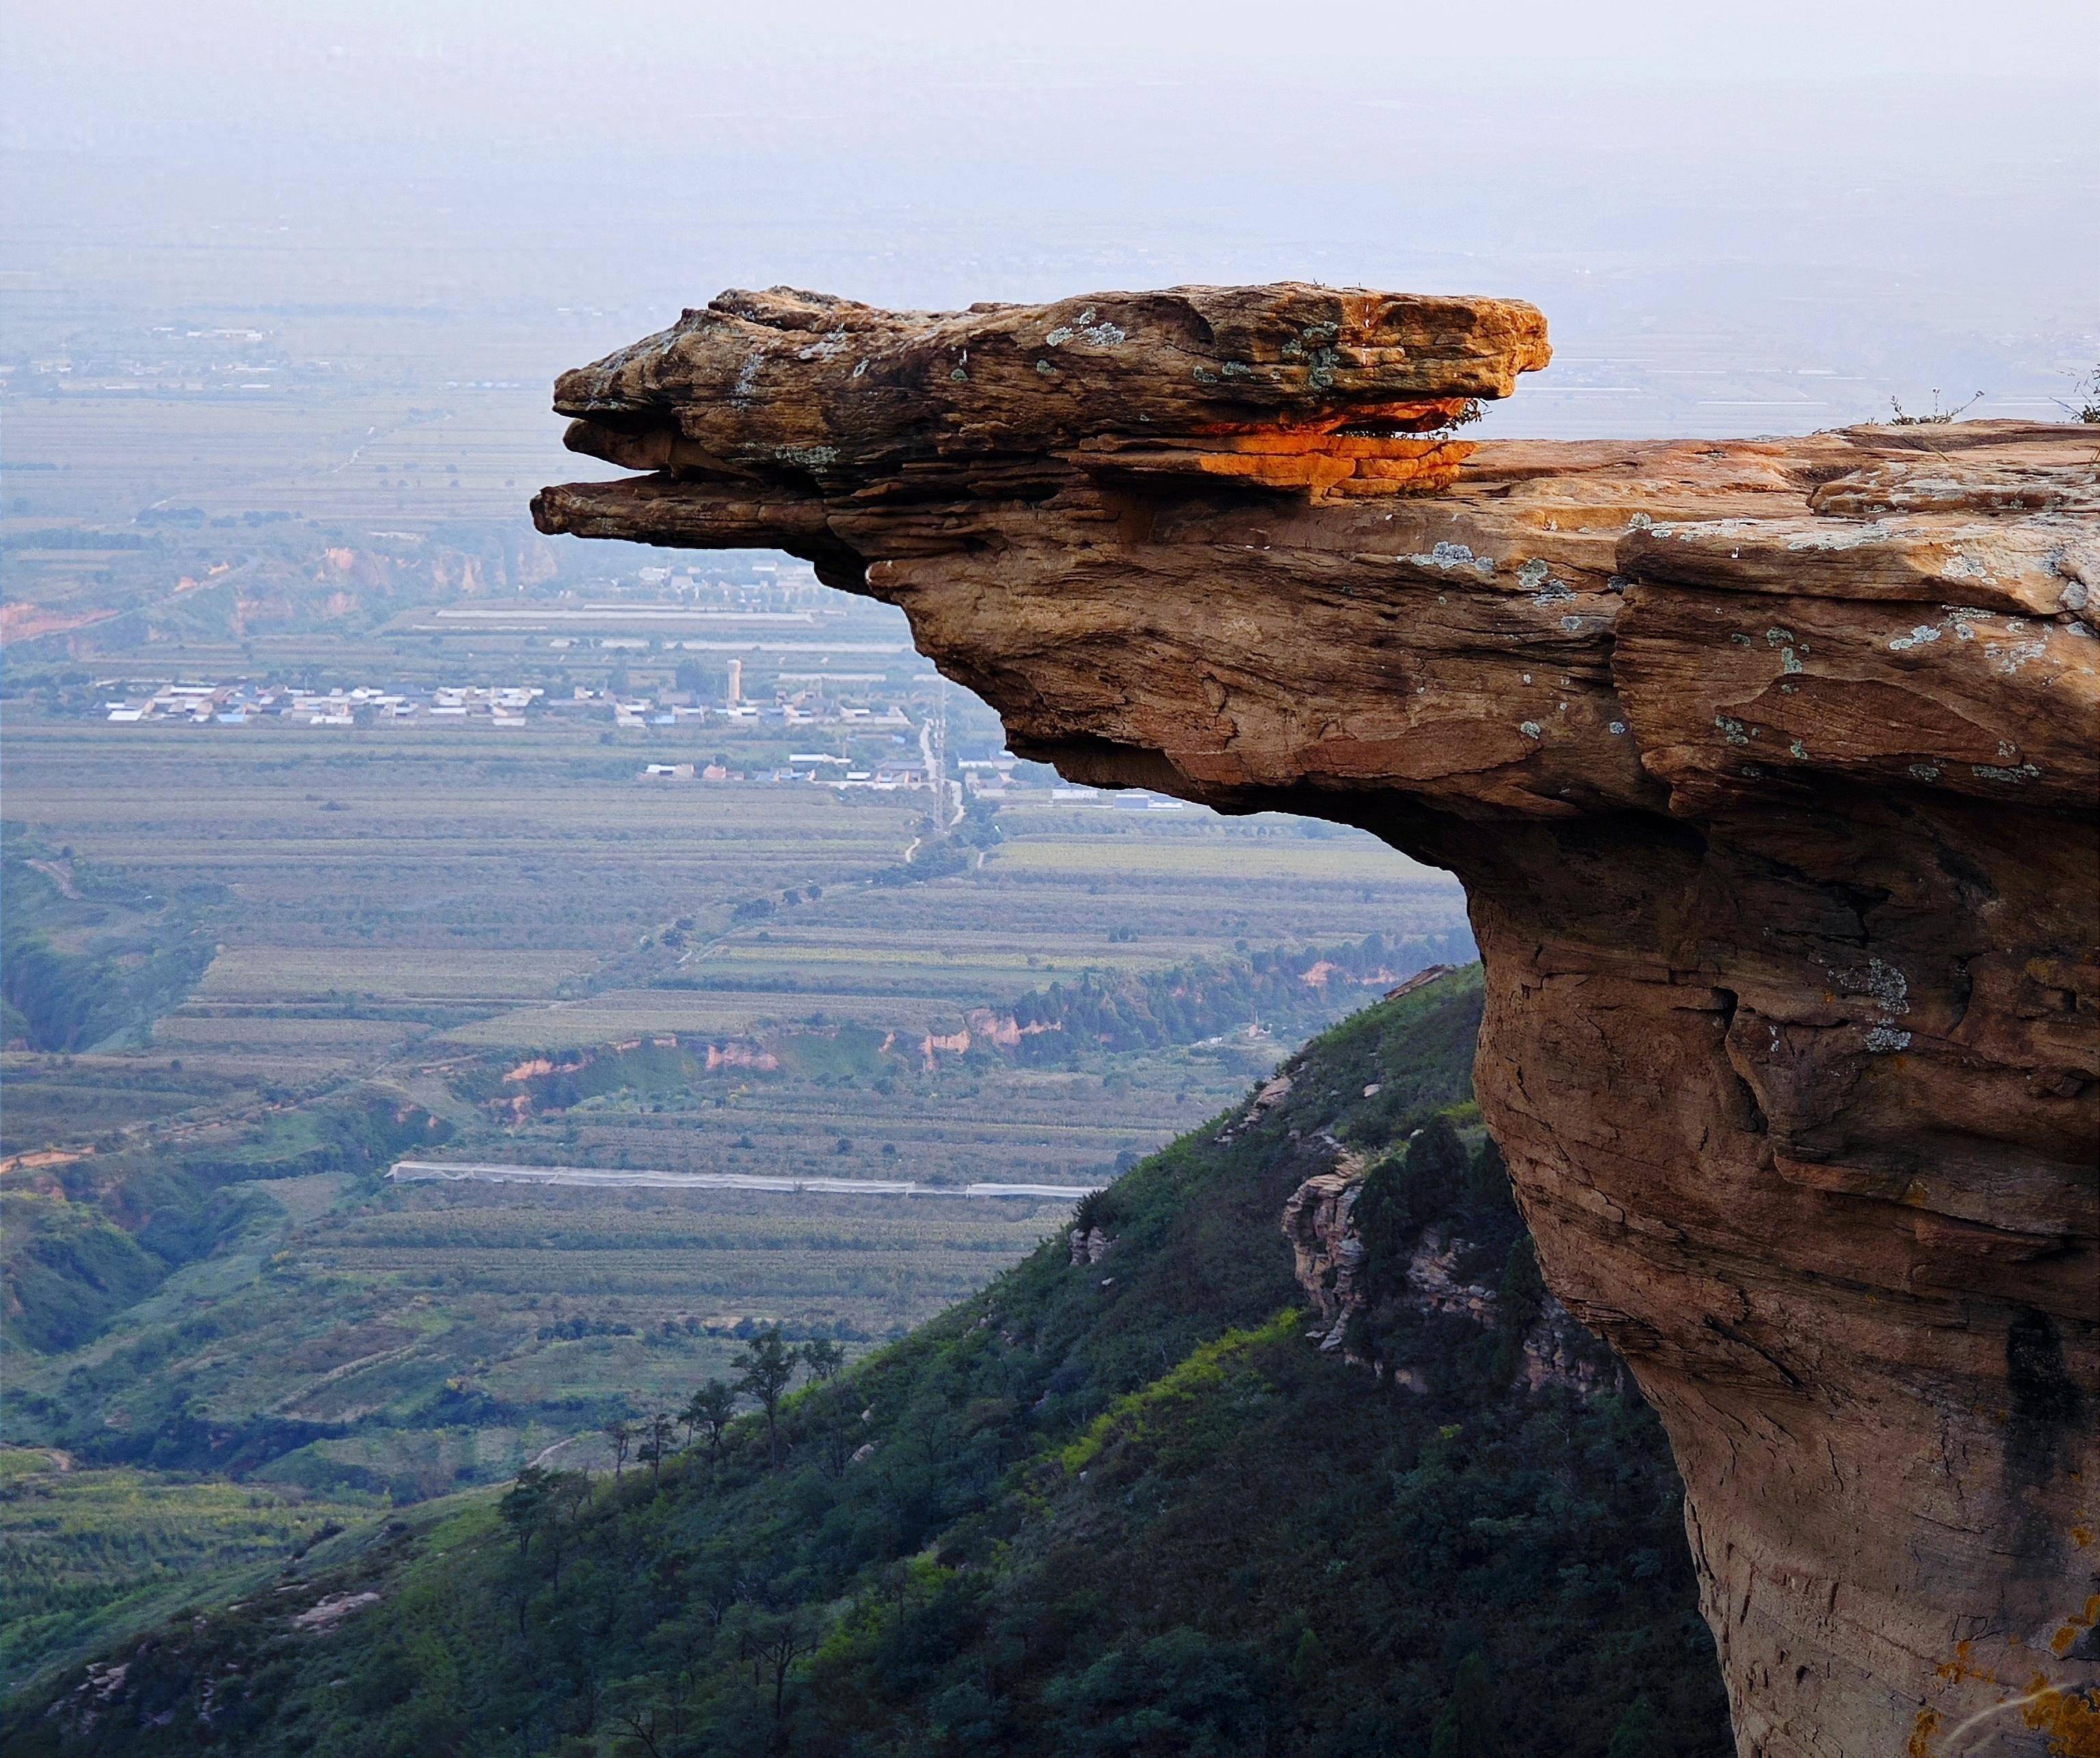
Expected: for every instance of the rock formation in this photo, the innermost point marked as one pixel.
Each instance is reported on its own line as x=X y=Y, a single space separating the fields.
x=1770 y=770
x=1090 y=1245
x=1329 y=1260
x=1326 y=1251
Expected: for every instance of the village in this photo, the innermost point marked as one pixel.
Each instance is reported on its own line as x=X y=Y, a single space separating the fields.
x=803 y=699
x=799 y=700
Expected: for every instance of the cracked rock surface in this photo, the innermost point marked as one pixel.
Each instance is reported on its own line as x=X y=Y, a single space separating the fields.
x=1770 y=768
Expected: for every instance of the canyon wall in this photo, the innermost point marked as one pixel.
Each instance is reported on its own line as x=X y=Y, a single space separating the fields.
x=1770 y=768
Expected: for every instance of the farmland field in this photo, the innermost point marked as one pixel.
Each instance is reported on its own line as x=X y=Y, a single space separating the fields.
x=532 y=953
x=254 y=961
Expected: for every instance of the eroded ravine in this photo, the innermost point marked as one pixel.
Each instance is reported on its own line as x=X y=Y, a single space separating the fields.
x=1770 y=768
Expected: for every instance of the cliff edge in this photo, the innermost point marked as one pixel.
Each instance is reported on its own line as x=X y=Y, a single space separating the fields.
x=1769 y=767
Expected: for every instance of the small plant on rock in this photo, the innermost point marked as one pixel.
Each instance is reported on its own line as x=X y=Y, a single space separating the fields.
x=1936 y=417
x=2086 y=404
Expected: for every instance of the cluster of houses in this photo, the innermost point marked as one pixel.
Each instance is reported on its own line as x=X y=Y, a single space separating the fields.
x=818 y=766
x=175 y=358
x=827 y=771
x=234 y=704
x=992 y=779
x=673 y=711
x=1117 y=799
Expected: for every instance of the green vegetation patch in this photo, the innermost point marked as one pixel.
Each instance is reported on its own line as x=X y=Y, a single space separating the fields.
x=88 y=958
x=89 y=1557
x=82 y=1242
x=1114 y=1504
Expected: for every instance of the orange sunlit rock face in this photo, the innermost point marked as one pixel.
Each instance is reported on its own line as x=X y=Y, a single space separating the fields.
x=1325 y=464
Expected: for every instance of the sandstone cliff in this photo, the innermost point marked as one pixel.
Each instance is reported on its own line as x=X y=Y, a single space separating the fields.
x=1769 y=767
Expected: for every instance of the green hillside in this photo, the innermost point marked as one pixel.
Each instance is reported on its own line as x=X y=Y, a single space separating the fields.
x=1121 y=1506
x=88 y=1556
x=89 y=957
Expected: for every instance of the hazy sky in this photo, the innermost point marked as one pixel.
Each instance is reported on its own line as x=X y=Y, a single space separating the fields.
x=1922 y=167
x=526 y=72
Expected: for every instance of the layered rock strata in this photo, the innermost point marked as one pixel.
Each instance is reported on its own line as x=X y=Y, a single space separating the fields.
x=1769 y=767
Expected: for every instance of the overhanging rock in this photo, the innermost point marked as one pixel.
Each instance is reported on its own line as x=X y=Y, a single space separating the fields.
x=1770 y=770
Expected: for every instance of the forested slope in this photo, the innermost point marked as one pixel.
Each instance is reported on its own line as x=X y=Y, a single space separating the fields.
x=1117 y=1503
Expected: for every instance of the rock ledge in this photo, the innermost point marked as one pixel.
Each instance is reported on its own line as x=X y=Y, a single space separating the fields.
x=1769 y=767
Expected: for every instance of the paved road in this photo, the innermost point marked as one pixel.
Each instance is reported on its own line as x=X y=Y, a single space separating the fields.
x=478 y=1172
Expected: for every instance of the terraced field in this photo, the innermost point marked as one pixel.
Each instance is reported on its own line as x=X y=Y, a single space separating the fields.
x=403 y=1341
x=472 y=977
x=957 y=1125
x=501 y=890
x=718 y=1256
x=405 y=918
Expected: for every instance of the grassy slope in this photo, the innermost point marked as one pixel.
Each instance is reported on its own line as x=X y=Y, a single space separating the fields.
x=89 y=1240
x=1123 y=1508
x=89 y=957
x=89 y=1558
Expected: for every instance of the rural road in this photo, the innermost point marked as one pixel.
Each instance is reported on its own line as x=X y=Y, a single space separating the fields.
x=475 y=1172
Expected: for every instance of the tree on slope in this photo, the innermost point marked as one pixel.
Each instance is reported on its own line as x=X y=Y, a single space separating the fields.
x=1466 y=1727
x=1638 y=1734
x=764 y=1371
x=656 y=1441
x=709 y=1410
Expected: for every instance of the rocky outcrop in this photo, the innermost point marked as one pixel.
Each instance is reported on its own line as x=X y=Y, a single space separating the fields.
x=1770 y=769
x=1268 y=1096
x=1326 y=1251
x=1328 y=1257
x=1090 y=1245
x=982 y=1026
x=1332 y=394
